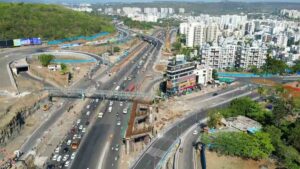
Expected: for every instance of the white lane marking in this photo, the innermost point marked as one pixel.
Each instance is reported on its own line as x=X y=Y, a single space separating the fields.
x=100 y=164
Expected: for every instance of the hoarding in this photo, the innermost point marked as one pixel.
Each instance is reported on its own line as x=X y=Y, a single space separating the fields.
x=25 y=41
x=17 y=42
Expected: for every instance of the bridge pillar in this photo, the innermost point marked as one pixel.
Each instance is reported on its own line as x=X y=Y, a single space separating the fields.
x=82 y=96
x=127 y=145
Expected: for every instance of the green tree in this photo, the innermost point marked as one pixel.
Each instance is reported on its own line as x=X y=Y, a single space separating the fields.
x=48 y=22
x=64 y=68
x=117 y=49
x=294 y=137
x=296 y=66
x=246 y=107
x=45 y=59
x=254 y=69
x=215 y=74
x=274 y=66
x=257 y=146
x=214 y=118
x=176 y=46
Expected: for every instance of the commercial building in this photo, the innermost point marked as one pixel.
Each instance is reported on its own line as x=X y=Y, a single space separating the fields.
x=180 y=75
x=203 y=74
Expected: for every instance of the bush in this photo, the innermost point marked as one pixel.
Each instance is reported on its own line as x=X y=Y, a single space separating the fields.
x=257 y=146
x=45 y=59
x=247 y=107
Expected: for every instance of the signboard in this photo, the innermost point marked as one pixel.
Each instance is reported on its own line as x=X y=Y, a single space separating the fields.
x=190 y=83
x=25 y=42
x=17 y=42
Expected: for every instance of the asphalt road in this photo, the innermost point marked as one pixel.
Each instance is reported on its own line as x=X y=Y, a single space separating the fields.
x=87 y=157
x=10 y=55
x=150 y=158
x=185 y=158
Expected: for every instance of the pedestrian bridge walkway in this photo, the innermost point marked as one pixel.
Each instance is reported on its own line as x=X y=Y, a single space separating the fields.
x=100 y=94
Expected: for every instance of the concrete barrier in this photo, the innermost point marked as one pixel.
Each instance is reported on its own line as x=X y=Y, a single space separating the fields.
x=11 y=77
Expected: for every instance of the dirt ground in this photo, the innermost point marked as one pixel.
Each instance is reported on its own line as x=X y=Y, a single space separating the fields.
x=263 y=81
x=161 y=68
x=77 y=71
x=216 y=161
x=293 y=88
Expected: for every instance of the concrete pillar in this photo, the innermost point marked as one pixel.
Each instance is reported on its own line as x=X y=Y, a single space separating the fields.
x=127 y=146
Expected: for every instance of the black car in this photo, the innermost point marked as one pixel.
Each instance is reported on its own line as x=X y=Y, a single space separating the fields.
x=215 y=94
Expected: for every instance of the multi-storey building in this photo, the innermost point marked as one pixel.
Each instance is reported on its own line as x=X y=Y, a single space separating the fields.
x=247 y=56
x=212 y=32
x=198 y=33
x=230 y=56
x=180 y=75
x=181 y=10
x=218 y=57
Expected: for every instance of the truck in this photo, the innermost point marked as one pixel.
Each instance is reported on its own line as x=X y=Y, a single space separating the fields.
x=75 y=144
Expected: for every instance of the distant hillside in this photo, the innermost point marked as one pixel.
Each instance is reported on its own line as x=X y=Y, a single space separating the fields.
x=19 y=20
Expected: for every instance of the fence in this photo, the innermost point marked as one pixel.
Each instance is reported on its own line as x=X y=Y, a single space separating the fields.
x=87 y=38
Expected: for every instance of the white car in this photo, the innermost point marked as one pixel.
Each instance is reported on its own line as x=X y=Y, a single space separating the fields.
x=88 y=106
x=75 y=136
x=54 y=158
x=66 y=157
x=97 y=100
x=88 y=113
x=117 y=147
x=109 y=109
x=59 y=158
x=100 y=115
x=118 y=123
x=73 y=155
x=80 y=127
x=111 y=103
x=121 y=103
x=67 y=163
x=195 y=132
x=83 y=130
x=69 y=142
x=57 y=150
x=125 y=111
x=78 y=121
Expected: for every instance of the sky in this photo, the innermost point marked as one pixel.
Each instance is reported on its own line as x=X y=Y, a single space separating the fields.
x=105 y=1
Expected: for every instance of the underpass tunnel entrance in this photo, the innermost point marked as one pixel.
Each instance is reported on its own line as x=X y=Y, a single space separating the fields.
x=21 y=69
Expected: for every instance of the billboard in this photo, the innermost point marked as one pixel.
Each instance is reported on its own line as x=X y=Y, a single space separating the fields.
x=189 y=83
x=17 y=42
x=35 y=41
x=25 y=41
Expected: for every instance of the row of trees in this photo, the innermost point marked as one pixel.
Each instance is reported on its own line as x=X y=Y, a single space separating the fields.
x=274 y=66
